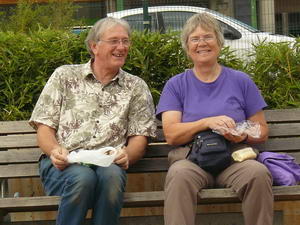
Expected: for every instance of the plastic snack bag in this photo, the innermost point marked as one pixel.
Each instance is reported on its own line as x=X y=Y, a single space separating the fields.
x=249 y=127
x=101 y=157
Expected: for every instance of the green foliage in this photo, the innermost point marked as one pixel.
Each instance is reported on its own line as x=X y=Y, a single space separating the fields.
x=28 y=59
x=276 y=71
x=228 y=58
x=30 y=16
x=156 y=57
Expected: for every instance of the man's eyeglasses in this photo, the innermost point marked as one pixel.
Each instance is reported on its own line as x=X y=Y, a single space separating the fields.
x=116 y=42
x=205 y=39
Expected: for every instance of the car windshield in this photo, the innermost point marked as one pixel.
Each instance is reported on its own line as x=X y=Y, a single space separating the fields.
x=240 y=23
x=175 y=20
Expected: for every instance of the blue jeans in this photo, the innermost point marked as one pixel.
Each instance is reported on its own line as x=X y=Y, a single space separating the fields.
x=81 y=188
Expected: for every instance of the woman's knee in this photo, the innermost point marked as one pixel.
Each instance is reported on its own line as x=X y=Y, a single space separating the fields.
x=255 y=173
x=184 y=172
x=178 y=170
x=258 y=171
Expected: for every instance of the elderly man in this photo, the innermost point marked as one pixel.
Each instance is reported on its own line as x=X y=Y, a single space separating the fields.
x=90 y=106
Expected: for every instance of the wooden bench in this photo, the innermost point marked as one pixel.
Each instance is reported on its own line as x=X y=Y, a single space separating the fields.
x=19 y=154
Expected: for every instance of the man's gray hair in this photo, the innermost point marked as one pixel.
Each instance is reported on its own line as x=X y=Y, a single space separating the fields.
x=100 y=27
x=206 y=22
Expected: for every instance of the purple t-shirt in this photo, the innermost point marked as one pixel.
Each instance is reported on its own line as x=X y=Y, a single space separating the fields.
x=233 y=94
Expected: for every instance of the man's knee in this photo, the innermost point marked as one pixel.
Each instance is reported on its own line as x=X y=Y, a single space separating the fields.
x=82 y=179
x=113 y=177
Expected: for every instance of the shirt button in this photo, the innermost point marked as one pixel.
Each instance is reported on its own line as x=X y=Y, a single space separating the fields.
x=97 y=121
x=94 y=136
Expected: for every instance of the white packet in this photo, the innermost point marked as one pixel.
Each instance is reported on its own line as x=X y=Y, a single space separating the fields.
x=101 y=157
x=248 y=127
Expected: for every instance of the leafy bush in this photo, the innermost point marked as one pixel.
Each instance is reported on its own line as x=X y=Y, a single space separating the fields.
x=276 y=71
x=27 y=61
x=155 y=57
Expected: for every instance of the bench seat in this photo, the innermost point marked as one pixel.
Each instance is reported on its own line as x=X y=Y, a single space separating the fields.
x=19 y=155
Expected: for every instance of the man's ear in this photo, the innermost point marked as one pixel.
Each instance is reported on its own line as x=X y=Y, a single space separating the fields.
x=93 y=46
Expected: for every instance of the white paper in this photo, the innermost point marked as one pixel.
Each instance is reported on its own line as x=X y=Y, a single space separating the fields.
x=101 y=157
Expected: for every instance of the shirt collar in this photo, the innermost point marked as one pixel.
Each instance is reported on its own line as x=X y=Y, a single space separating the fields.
x=87 y=72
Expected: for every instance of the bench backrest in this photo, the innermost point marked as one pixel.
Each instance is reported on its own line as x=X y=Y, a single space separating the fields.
x=19 y=152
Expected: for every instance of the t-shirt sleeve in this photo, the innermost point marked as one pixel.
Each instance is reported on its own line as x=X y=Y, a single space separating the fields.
x=170 y=99
x=254 y=101
x=141 y=112
x=47 y=108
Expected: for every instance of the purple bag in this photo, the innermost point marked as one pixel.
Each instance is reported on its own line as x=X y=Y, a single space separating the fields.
x=285 y=171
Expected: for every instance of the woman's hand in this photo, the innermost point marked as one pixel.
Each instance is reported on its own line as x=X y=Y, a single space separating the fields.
x=219 y=122
x=235 y=138
x=222 y=124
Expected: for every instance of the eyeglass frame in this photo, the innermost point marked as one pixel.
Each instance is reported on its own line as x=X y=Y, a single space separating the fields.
x=116 y=42
x=197 y=40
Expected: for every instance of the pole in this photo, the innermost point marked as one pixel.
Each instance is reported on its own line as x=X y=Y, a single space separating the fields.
x=146 y=21
x=253 y=14
x=120 y=5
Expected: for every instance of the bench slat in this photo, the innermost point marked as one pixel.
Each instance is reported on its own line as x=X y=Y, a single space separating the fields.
x=31 y=169
x=281 y=144
x=275 y=115
x=282 y=115
x=143 y=199
x=30 y=155
x=19 y=170
x=18 y=141
x=29 y=141
x=15 y=127
x=12 y=156
x=283 y=130
x=144 y=165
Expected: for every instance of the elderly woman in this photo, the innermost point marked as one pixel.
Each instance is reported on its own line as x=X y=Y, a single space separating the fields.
x=204 y=97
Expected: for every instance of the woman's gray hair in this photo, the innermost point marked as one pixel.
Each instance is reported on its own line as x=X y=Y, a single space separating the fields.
x=206 y=22
x=100 y=27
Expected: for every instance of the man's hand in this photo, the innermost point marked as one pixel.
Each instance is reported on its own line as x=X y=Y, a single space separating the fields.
x=58 y=157
x=122 y=159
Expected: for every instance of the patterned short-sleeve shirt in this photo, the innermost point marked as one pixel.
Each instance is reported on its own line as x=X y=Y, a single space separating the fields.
x=89 y=115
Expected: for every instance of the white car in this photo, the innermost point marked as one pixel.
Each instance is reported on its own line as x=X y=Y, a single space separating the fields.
x=238 y=35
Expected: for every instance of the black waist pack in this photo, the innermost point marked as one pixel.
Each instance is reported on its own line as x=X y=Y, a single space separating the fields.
x=210 y=151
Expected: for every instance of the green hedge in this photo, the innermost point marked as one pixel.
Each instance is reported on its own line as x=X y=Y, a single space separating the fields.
x=27 y=61
x=276 y=70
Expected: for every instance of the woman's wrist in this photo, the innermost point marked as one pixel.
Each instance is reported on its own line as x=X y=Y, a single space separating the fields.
x=245 y=139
